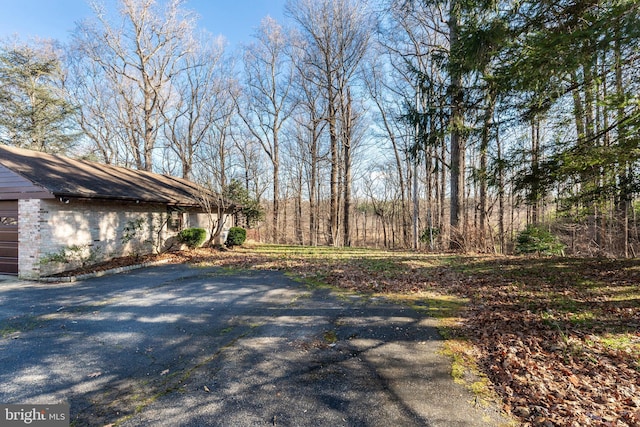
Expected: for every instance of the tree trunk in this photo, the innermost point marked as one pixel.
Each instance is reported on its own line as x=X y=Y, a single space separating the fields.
x=484 y=146
x=625 y=168
x=334 y=184
x=347 y=133
x=456 y=138
x=275 y=232
x=535 y=166
x=313 y=191
x=501 y=230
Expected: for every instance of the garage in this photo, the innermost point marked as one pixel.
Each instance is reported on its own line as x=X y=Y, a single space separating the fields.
x=58 y=213
x=9 y=237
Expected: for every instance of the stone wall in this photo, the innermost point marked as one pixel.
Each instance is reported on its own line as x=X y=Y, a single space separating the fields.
x=56 y=236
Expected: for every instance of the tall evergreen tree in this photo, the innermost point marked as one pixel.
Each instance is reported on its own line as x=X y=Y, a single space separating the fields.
x=575 y=59
x=34 y=113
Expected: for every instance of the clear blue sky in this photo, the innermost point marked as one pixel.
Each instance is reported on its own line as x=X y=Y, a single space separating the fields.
x=234 y=19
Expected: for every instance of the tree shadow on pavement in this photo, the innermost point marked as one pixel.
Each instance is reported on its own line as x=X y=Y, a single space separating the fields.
x=183 y=346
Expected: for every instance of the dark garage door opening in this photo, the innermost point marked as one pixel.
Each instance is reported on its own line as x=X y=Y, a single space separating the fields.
x=8 y=237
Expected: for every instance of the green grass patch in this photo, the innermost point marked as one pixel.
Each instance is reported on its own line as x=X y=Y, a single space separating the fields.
x=465 y=370
x=21 y=324
x=330 y=337
x=626 y=342
x=432 y=304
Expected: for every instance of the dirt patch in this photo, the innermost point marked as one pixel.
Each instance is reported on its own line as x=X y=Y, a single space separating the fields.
x=127 y=261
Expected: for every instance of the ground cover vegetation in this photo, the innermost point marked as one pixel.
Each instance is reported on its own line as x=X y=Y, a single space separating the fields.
x=556 y=339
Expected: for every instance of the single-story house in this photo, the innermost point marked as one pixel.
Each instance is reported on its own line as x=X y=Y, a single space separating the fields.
x=57 y=213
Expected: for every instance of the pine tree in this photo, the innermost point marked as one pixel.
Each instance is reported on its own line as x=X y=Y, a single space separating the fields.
x=34 y=113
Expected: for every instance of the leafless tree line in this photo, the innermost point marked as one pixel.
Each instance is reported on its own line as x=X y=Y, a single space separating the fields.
x=349 y=123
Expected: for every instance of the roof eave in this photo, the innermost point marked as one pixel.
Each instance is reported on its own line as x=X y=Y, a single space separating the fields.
x=94 y=197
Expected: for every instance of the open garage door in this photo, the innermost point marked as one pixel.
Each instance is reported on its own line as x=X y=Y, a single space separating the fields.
x=9 y=237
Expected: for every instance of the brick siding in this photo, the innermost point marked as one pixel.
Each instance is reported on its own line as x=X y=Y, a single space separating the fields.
x=29 y=238
x=90 y=232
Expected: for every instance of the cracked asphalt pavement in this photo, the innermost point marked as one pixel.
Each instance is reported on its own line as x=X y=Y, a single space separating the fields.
x=178 y=345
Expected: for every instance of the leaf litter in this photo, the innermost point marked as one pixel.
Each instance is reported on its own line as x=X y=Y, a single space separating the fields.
x=559 y=339
x=544 y=331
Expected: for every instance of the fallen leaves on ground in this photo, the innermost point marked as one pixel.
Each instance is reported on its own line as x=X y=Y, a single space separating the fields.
x=558 y=338
x=545 y=330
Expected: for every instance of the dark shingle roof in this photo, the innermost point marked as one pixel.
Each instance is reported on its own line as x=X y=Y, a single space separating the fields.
x=65 y=177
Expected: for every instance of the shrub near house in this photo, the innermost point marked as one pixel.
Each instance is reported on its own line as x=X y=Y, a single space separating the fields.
x=236 y=237
x=193 y=237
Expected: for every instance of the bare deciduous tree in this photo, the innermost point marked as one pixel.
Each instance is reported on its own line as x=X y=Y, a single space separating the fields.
x=199 y=99
x=266 y=105
x=134 y=56
x=337 y=37
x=309 y=127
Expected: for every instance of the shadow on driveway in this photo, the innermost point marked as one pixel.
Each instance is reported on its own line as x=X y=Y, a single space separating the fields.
x=183 y=346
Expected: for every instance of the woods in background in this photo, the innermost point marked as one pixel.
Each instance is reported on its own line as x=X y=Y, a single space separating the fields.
x=399 y=123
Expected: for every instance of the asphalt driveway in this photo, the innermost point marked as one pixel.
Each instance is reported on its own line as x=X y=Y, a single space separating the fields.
x=177 y=345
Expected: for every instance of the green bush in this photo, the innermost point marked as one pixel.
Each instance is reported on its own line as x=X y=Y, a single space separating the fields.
x=236 y=237
x=428 y=233
x=193 y=237
x=538 y=240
